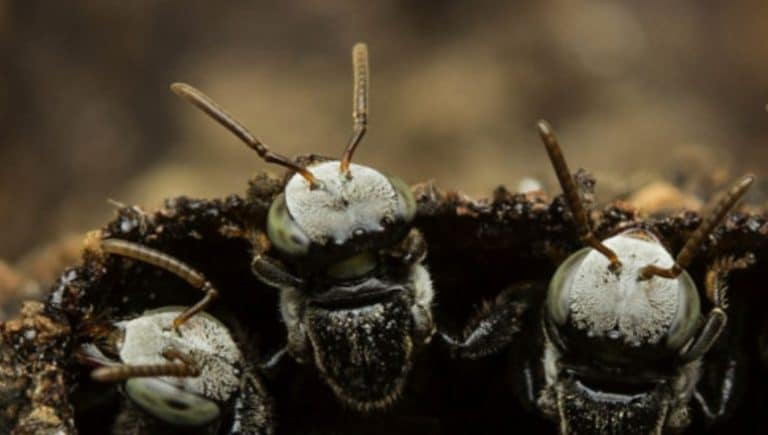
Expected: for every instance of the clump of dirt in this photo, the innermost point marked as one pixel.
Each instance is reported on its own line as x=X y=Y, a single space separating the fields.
x=476 y=249
x=35 y=381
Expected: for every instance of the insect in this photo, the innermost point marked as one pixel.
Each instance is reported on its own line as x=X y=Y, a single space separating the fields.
x=357 y=303
x=444 y=396
x=354 y=296
x=623 y=338
x=190 y=378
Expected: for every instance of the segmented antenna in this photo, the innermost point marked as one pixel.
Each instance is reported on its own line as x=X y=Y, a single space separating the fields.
x=572 y=194
x=359 y=102
x=169 y=263
x=720 y=208
x=179 y=365
x=204 y=103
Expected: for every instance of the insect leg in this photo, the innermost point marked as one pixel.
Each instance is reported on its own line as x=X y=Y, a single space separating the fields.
x=412 y=250
x=298 y=346
x=275 y=360
x=268 y=271
x=495 y=326
x=716 y=293
x=707 y=336
x=716 y=390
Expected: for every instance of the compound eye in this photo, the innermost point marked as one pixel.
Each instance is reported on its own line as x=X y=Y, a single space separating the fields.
x=353 y=267
x=170 y=403
x=407 y=201
x=687 y=317
x=283 y=231
x=558 y=294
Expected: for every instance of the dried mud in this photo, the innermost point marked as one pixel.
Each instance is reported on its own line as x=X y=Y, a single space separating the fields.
x=477 y=248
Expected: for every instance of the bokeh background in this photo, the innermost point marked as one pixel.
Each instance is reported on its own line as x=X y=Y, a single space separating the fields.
x=638 y=91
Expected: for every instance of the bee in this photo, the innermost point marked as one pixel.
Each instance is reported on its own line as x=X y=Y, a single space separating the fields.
x=340 y=248
x=177 y=378
x=621 y=325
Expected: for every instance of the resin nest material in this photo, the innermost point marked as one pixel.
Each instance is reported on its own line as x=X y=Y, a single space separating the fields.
x=476 y=249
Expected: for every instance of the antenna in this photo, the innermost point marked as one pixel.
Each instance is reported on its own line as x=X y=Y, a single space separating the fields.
x=572 y=194
x=361 y=80
x=179 y=365
x=207 y=105
x=719 y=207
x=169 y=263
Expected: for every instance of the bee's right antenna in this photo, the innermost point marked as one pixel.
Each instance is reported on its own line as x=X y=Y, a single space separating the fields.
x=359 y=102
x=204 y=103
x=572 y=194
x=720 y=208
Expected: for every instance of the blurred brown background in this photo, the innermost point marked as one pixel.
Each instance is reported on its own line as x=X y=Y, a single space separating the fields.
x=636 y=91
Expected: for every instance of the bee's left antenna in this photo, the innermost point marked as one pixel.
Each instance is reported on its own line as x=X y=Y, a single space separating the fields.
x=719 y=209
x=206 y=104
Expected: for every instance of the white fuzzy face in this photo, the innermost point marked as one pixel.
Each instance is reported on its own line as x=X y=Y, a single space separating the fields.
x=340 y=206
x=617 y=305
x=202 y=337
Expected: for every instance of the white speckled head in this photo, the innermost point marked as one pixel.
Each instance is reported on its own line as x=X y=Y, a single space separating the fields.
x=206 y=340
x=341 y=205
x=338 y=209
x=617 y=305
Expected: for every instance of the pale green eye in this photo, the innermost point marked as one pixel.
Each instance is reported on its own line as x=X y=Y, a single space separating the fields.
x=282 y=230
x=687 y=317
x=170 y=403
x=558 y=295
x=353 y=267
x=408 y=203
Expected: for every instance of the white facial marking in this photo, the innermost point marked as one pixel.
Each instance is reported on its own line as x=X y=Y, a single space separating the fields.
x=205 y=339
x=341 y=205
x=605 y=303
